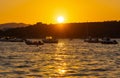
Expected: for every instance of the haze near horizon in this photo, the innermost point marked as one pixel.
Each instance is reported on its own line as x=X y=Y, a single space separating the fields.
x=47 y=11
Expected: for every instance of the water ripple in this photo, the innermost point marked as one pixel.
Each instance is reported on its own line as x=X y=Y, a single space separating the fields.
x=67 y=59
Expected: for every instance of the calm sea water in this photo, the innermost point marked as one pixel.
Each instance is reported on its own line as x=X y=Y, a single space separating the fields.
x=67 y=59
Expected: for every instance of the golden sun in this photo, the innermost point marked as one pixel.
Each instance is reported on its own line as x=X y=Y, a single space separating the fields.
x=60 y=19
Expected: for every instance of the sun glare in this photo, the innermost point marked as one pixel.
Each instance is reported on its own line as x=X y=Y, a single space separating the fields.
x=60 y=19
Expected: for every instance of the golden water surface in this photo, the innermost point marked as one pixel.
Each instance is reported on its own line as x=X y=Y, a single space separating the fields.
x=67 y=59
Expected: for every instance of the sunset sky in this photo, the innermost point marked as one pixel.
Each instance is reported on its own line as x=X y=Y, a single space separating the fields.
x=47 y=11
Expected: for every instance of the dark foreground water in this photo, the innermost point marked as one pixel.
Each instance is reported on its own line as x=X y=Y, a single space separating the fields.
x=67 y=59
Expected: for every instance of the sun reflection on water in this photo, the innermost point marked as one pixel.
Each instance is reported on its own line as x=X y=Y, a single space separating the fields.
x=61 y=71
x=61 y=67
x=60 y=44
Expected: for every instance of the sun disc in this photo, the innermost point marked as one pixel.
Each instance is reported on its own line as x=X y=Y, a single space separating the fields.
x=60 y=19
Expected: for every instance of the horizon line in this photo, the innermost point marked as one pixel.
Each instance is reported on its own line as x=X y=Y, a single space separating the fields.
x=62 y=23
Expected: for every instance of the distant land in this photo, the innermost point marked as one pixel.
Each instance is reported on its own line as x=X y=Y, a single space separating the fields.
x=66 y=30
x=12 y=25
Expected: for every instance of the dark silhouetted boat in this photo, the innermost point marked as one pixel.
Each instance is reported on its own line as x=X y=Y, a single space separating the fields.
x=8 y=39
x=29 y=42
x=16 y=40
x=92 y=40
x=108 y=41
x=49 y=39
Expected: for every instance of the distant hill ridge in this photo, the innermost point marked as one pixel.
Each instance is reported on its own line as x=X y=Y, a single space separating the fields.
x=12 y=25
x=66 y=30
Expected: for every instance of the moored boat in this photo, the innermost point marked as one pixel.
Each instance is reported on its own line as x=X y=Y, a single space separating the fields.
x=8 y=39
x=49 y=39
x=16 y=40
x=4 y=39
x=92 y=40
x=29 y=42
x=108 y=41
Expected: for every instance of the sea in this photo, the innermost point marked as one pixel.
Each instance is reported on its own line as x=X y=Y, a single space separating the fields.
x=66 y=59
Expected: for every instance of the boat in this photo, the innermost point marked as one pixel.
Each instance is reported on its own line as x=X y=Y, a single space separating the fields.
x=29 y=42
x=4 y=39
x=16 y=40
x=8 y=39
x=108 y=41
x=50 y=39
x=92 y=40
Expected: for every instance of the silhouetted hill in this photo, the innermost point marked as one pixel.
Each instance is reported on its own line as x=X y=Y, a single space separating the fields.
x=12 y=25
x=68 y=30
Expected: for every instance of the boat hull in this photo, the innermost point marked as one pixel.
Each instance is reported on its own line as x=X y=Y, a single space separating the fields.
x=50 y=41
x=34 y=43
x=109 y=42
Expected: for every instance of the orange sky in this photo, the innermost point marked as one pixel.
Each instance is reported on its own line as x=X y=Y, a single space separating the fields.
x=46 y=11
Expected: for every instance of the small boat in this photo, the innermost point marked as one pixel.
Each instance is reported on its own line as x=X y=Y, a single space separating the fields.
x=28 y=42
x=4 y=39
x=49 y=39
x=92 y=40
x=8 y=39
x=108 y=41
x=16 y=40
